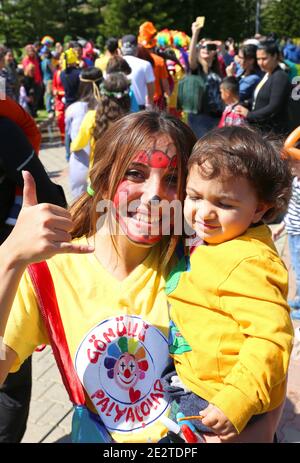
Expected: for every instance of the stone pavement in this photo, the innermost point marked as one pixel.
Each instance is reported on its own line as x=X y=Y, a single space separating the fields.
x=50 y=410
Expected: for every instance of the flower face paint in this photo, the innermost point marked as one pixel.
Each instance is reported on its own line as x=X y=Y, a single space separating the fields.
x=149 y=184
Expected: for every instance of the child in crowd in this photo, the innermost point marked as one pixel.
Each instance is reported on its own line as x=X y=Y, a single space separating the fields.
x=230 y=96
x=291 y=223
x=24 y=99
x=231 y=333
x=29 y=86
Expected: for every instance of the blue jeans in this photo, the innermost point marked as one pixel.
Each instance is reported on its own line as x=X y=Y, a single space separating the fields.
x=68 y=146
x=202 y=123
x=294 y=248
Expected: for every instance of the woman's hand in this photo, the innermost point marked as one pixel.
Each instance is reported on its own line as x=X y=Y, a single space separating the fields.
x=42 y=230
x=196 y=28
x=215 y=419
x=241 y=110
x=230 y=70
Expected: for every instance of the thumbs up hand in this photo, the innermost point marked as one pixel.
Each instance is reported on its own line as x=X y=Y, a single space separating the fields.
x=42 y=230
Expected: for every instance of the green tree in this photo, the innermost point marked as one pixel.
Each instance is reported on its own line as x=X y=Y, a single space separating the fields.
x=282 y=17
x=24 y=21
x=233 y=17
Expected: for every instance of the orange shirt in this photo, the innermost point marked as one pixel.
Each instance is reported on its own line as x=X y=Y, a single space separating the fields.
x=160 y=72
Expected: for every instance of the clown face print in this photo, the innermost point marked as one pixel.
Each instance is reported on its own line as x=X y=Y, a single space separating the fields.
x=120 y=363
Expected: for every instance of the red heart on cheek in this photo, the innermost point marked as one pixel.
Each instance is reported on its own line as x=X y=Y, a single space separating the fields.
x=134 y=395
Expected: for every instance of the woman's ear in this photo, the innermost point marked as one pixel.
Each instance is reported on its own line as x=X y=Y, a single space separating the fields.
x=260 y=211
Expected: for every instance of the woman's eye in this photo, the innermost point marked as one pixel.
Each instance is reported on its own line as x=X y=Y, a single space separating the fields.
x=134 y=174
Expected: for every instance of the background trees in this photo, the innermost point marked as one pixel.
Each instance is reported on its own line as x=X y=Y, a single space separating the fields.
x=282 y=17
x=24 y=21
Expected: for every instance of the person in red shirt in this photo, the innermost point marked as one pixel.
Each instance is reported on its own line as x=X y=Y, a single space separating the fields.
x=59 y=102
x=31 y=58
x=230 y=96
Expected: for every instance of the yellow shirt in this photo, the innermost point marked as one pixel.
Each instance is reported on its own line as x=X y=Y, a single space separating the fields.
x=102 y=61
x=117 y=336
x=232 y=314
x=84 y=135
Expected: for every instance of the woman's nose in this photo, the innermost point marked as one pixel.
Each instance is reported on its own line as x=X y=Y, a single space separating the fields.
x=153 y=191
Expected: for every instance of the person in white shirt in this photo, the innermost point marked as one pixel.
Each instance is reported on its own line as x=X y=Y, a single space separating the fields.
x=142 y=76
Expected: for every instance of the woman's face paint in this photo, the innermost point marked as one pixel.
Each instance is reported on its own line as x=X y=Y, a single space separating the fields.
x=143 y=196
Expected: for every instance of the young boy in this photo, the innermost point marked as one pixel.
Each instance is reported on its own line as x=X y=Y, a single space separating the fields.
x=230 y=96
x=231 y=333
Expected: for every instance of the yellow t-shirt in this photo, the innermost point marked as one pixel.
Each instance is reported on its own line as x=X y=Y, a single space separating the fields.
x=117 y=336
x=233 y=334
x=85 y=135
x=102 y=61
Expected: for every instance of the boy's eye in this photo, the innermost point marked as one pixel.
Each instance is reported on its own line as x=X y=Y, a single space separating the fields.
x=193 y=198
x=225 y=206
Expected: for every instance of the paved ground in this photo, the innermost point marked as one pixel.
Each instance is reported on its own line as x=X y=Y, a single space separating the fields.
x=50 y=410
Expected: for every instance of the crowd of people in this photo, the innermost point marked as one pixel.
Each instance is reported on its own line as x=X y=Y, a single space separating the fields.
x=145 y=325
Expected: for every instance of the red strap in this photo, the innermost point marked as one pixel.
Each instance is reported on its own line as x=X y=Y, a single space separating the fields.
x=45 y=292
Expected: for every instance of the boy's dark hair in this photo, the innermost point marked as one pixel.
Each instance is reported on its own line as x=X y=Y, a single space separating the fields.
x=112 y=44
x=118 y=64
x=231 y=84
x=244 y=152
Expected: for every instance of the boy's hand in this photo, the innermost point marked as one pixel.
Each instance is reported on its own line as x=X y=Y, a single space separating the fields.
x=277 y=232
x=215 y=419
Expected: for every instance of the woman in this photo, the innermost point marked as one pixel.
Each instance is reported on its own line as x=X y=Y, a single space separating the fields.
x=47 y=72
x=113 y=102
x=112 y=302
x=249 y=75
x=88 y=95
x=119 y=64
x=270 y=105
x=204 y=62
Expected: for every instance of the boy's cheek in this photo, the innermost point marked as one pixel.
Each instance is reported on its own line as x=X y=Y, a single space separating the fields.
x=189 y=212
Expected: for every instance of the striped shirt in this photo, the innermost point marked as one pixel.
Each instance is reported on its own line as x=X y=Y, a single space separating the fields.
x=292 y=217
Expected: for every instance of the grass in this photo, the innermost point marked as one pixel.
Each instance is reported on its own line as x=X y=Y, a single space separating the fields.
x=42 y=116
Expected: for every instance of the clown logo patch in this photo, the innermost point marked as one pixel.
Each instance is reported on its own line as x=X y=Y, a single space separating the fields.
x=120 y=363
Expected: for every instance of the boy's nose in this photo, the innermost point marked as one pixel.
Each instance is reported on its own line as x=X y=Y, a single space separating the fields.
x=206 y=211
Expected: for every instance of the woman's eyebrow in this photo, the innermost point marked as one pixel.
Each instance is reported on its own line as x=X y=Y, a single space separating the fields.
x=137 y=164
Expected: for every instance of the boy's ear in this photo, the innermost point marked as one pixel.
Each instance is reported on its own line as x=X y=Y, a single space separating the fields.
x=261 y=209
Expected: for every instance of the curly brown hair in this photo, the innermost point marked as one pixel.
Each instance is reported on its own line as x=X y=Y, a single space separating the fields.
x=245 y=152
x=114 y=102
